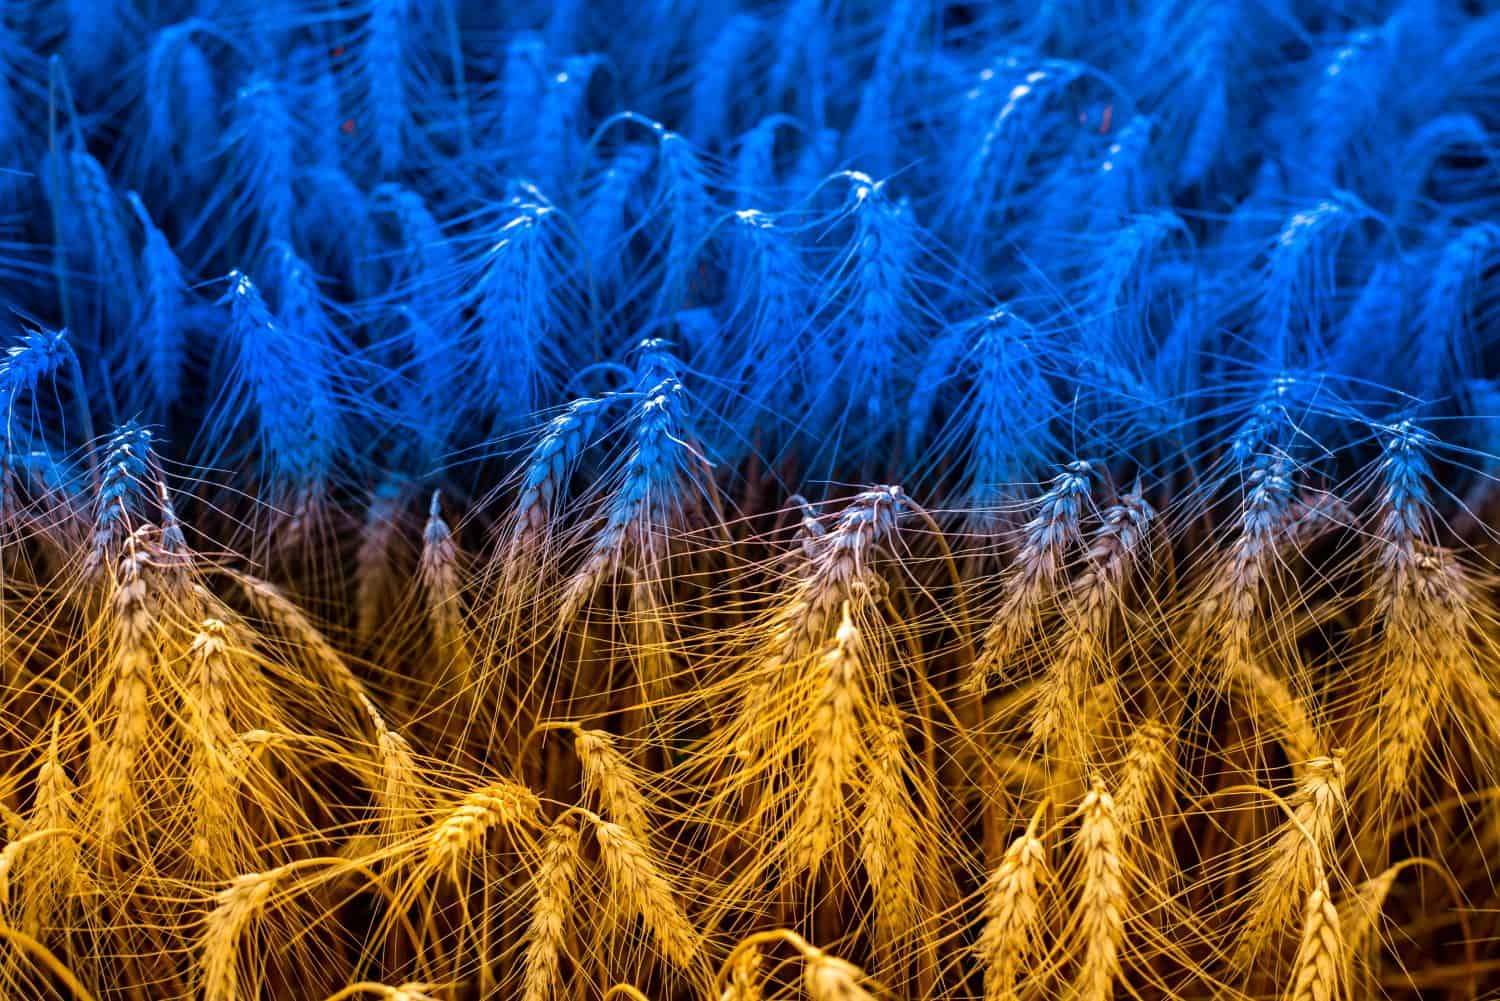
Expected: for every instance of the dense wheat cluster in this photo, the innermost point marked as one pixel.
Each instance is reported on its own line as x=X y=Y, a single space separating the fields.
x=813 y=499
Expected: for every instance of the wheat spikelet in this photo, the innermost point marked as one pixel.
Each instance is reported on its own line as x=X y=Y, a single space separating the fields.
x=461 y=833
x=1227 y=613
x=1147 y=773
x=276 y=608
x=439 y=572
x=638 y=884
x=550 y=464
x=613 y=782
x=1286 y=711
x=1320 y=970
x=1012 y=930
x=550 y=911
x=840 y=570
x=400 y=797
x=1359 y=915
x=1424 y=647
x=744 y=977
x=1100 y=918
x=53 y=866
x=374 y=581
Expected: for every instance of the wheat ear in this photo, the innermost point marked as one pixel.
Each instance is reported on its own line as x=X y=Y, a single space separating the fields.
x=1319 y=972
x=639 y=884
x=1100 y=919
x=550 y=911
x=1012 y=930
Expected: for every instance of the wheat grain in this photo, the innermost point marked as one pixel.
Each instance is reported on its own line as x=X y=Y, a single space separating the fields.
x=834 y=742
x=1304 y=845
x=890 y=839
x=219 y=956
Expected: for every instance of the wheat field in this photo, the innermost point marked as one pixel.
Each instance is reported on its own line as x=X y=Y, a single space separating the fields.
x=809 y=499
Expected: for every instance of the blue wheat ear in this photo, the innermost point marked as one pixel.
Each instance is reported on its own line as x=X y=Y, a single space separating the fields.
x=1369 y=338
x=127 y=478
x=163 y=314
x=518 y=307
x=755 y=166
x=181 y=104
x=521 y=88
x=798 y=54
x=722 y=69
x=1347 y=95
x=1126 y=180
x=335 y=228
x=420 y=259
x=555 y=147
x=282 y=381
x=1422 y=178
x=551 y=465
x=604 y=212
x=262 y=162
x=98 y=286
x=874 y=301
x=317 y=108
x=1300 y=286
x=998 y=429
x=97 y=34
x=387 y=70
x=683 y=185
x=656 y=489
x=992 y=165
x=1192 y=67
x=1445 y=348
x=686 y=209
x=770 y=360
x=1403 y=473
x=875 y=130
x=39 y=356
